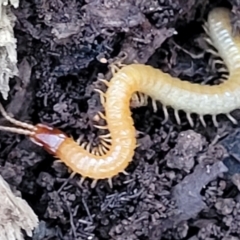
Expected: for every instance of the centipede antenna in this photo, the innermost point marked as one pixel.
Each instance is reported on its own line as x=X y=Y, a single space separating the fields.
x=17 y=130
x=16 y=122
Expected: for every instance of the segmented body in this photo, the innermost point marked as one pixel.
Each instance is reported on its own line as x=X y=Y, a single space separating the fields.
x=180 y=95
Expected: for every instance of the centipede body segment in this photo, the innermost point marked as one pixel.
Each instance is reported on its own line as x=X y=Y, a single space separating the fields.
x=117 y=147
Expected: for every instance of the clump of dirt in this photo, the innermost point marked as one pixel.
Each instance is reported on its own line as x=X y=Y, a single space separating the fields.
x=181 y=184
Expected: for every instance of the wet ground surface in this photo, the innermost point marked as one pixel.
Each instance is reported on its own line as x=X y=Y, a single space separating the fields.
x=61 y=48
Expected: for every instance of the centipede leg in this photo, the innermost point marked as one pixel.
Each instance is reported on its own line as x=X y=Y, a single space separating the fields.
x=137 y=133
x=220 y=62
x=72 y=175
x=215 y=122
x=88 y=147
x=201 y=117
x=94 y=183
x=83 y=145
x=82 y=179
x=232 y=119
x=97 y=152
x=125 y=173
x=225 y=76
x=115 y=68
x=79 y=140
x=102 y=96
x=206 y=29
x=100 y=127
x=166 y=116
x=58 y=161
x=116 y=65
x=134 y=101
x=208 y=40
x=119 y=62
x=189 y=118
x=213 y=52
x=106 y=137
x=154 y=104
x=138 y=145
x=138 y=100
x=101 y=115
x=110 y=182
x=101 y=150
x=177 y=117
x=105 y=144
x=107 y=140
x=142 y=98
x=222 y=70
x=104 y=81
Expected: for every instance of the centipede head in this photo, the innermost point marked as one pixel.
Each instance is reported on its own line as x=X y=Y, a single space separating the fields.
x=47 y=137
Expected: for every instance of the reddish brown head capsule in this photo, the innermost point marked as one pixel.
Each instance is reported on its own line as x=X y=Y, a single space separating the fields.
x=48 y=138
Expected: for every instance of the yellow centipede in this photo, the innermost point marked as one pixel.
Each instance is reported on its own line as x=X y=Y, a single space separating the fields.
x=117 y=148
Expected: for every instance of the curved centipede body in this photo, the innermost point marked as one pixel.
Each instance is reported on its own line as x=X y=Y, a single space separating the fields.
x=117 y=148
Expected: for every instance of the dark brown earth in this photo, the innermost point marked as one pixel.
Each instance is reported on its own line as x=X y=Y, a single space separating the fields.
x=183 y=182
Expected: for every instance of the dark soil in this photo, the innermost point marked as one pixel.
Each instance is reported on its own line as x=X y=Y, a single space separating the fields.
x=183 y=182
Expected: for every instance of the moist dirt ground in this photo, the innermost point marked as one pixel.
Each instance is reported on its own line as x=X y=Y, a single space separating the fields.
x=183 y=182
